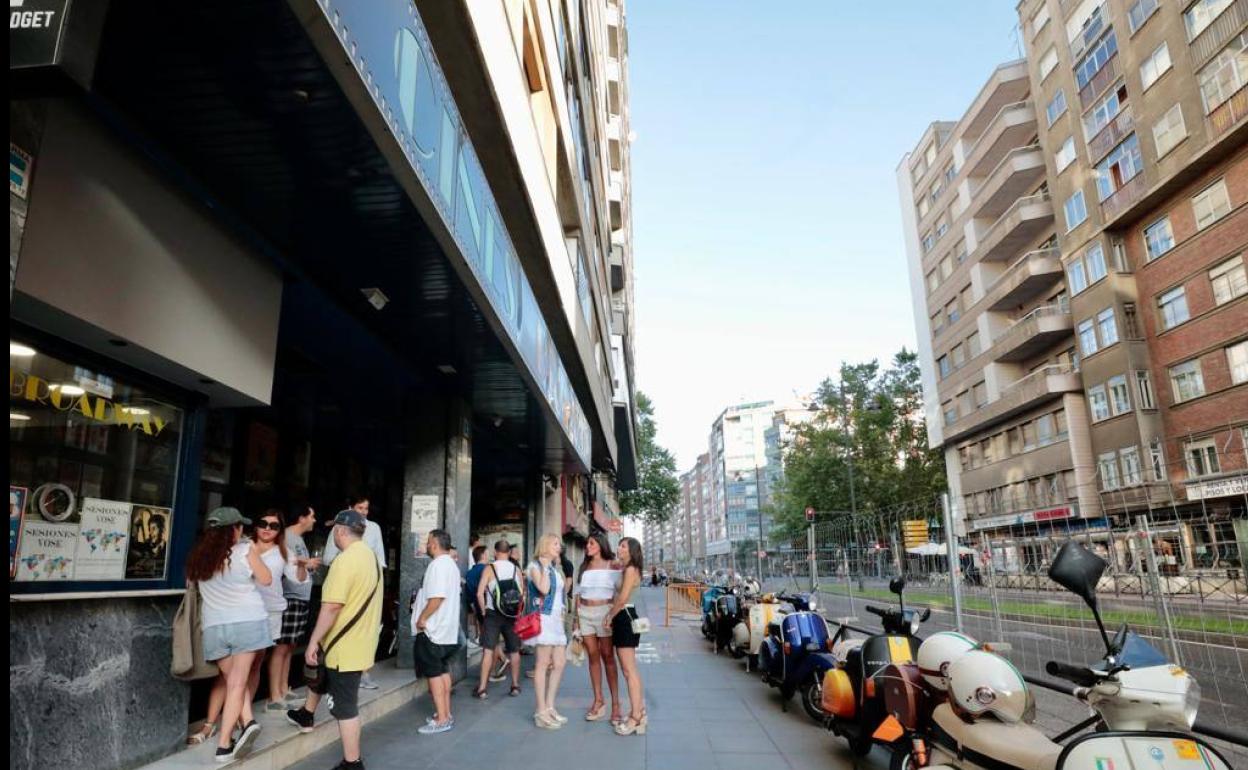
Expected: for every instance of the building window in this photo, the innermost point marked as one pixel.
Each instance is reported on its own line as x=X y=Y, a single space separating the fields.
x=1119 y=395
x=953 y=312
x=1048 y=62
x=1187 y=381
x=933 y=281
x=1132 y=473
x=1144 y=389
x=1211 y=204
x=1098 y=403
x=1157 y=459
x=1229 y=280
x=1092 y=63
x=1108 y=464
x=1105 y=110
x=1095 y=260
x=1039 y=21
x=1087 y=338
x=958 y=355
x=1237 y=362
x=1076 y=278
x=1225 y=74
x=1140 y=12
x=1130 y=326
x=1172 y=307
x=1156 y=65
x=1056 y=107
x=1119 y=167
x=1158 y=238
x=1169 y=131
x=929 y=241
x=942 y=227
x=924 y=206
x=1202 y=458
x=1107 y=327
x=980 y=392
x=951 y=413
x=945 y=368
x=946 y=268
x=1202 y=14
x=1076 y=210
x=972 y=344
x=1065 y=154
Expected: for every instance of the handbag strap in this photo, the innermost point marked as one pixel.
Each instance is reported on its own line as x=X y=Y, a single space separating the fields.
x=358 y=615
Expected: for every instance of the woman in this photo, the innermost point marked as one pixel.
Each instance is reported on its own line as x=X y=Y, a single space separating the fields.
x=620 y=619
x=546 y=581
x=229 y=571
x=595 y=593
x=270 y=542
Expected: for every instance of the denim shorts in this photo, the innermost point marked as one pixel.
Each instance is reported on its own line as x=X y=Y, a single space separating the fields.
x=232 y=638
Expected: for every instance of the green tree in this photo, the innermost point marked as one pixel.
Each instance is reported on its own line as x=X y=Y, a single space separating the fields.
x=871 y=417
x=655 y=498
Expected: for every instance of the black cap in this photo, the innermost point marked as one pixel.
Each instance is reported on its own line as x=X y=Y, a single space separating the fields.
x=351 y=519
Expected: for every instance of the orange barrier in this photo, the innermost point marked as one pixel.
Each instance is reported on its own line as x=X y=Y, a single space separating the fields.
x=682 y=599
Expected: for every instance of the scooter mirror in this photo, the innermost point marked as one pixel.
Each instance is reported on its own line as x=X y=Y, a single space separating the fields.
x=1078 y=570
x=897 y=585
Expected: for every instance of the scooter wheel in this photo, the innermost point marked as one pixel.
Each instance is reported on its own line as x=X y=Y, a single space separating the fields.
x=812 y=700
x=903 y=760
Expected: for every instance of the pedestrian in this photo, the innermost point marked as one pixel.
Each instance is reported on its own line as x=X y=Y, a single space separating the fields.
x=476 y=613
x=546 y=596
x=435 y=626
x=345 y=636
x=499 y=593
x=228 y=569
x=621 y=616
x=595 y=593
x=270 y=541
x=298 y=593
x=372 y=538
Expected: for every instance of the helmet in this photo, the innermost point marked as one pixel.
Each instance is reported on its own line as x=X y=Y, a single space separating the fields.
x=936 y=654
x=985 y=683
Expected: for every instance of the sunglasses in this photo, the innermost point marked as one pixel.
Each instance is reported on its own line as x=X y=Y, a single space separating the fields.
x=273 y=525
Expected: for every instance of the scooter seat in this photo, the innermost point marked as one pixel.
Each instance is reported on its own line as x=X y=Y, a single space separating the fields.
x=988 y=742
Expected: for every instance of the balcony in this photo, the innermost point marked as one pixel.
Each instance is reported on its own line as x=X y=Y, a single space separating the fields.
x=1019 y=171
x=1036 y=388
x=1229 y=113
x=1034 y=273
x=1099 y=82
x=1008 y=83
x=617 y=267
x=1135 y=496
x=1126 y=196
x=1215 y=37
x=1021 y=224
x=1111 y=135
x=1033 y=333
x=1013 y=125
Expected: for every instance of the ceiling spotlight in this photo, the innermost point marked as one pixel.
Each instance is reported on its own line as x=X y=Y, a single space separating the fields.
x=138 y=411
x=446 y=369
x=376 y=297
x=67 y=390
x=18 y=417
x=20 y=351
x=498 y=421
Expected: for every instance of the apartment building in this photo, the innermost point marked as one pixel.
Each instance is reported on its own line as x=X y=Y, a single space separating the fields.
x=1076 y=250
x=738 y=452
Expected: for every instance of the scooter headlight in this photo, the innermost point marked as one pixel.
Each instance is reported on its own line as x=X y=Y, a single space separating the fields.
x=814 y=603
x=1191 y=701
x=914 y=625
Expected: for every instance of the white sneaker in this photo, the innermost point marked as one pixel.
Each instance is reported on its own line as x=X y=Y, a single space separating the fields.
x=367 y=683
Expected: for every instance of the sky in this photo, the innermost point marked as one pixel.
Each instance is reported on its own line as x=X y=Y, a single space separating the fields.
x=767 y=234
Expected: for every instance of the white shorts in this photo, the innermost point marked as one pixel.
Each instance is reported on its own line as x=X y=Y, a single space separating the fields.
x=275 y=625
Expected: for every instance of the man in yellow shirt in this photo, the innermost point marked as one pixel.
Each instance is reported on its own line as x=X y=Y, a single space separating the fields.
x=346 y=630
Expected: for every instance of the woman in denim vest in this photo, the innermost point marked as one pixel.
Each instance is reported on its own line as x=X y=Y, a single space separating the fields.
x=546 y=596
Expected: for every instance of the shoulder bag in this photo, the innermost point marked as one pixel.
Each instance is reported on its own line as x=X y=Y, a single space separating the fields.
x=314 y=676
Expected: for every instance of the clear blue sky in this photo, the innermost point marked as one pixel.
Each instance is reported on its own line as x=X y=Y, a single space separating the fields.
x=768 y=242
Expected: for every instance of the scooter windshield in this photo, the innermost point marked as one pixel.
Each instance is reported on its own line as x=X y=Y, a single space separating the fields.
x=1136 y=652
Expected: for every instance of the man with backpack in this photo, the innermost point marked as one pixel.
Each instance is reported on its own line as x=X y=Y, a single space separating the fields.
x=499 y=592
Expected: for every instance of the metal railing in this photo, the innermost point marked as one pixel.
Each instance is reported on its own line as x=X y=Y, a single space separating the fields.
x=1228 y=113
x=973 y=151
x=1036 y=254
x=1111 y=134
x=1214 y=37
x=990 y=235
x=1018 y=327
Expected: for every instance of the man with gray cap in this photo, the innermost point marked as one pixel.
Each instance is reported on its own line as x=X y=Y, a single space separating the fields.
x=345 y=636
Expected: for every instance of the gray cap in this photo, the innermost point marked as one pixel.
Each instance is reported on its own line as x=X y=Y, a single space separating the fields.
x=352 y=520
x=226 y=517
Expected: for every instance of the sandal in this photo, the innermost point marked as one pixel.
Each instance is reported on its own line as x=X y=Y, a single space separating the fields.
x=205 y=734
x=481 y=694
x=597 y=711
x=514 y=692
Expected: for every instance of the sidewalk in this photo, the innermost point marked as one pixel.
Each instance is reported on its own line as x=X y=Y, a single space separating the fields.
x=705 y=714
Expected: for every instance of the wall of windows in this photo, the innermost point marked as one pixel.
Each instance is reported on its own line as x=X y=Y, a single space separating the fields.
x=1036 y=433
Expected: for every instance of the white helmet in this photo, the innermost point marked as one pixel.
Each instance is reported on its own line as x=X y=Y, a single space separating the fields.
x=982 y=682
x=940 y=650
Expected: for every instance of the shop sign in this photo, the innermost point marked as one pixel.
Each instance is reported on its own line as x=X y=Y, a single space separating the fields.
x=36 y=390
x=35 y=28
x=20 y=162
x=1027 y=517
x=387 y=45
x=1235 y=485
x=718 y=548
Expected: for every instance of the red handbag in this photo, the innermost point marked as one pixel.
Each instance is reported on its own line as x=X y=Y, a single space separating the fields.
x=529 y=626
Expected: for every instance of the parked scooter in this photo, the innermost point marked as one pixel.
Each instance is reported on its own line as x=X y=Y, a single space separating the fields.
x=749 y=634
x=709 y=596
x=728 y=613
x=795 y=656
x=852 y=697
x=1139 y=697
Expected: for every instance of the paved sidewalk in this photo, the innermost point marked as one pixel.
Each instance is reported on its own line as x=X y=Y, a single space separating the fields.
x=705 y=714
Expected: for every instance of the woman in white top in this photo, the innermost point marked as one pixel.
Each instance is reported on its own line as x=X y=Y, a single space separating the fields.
x=235 y=623
x=595 y=593
x=270 y=542
x=545 y=582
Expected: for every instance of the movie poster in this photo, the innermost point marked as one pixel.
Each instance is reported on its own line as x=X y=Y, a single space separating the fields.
x=47 y=551
x=103 y=537
x=149 y=542
x=17 y=514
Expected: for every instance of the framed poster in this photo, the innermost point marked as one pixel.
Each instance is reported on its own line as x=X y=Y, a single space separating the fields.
x=17 y=515
x=47 y=551
x=424 y=519
x=149 y=542
x=103 y=535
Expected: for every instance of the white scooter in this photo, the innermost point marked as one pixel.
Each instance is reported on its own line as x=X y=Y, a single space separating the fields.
x=1141 y=702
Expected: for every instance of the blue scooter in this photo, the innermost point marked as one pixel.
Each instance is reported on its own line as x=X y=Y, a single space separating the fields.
x=708 y=609
x=794 y=658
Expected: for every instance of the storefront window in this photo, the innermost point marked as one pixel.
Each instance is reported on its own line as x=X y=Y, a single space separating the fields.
x=92 y=466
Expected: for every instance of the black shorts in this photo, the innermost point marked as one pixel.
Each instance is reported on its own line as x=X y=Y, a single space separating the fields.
x=622 y=634
x=343 y=689
x=432 y=659
x=497 y=623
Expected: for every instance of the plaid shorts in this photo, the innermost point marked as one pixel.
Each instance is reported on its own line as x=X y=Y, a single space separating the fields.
x=294 y=622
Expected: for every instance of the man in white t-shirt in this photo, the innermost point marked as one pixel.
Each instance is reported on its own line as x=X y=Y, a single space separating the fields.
x=435 y=624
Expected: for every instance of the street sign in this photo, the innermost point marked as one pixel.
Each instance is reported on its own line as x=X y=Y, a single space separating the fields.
x=913 y=532
x=810 y=515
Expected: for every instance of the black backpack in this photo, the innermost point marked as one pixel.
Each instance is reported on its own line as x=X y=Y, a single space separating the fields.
x=507 y=597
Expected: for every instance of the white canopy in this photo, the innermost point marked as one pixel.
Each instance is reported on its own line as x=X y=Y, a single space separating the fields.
x=938 y=549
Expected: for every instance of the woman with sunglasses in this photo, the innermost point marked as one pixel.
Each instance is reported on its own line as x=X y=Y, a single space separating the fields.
x=270 y=543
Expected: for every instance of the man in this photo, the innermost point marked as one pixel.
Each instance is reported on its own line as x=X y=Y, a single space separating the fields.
x=471 y=582
x=298 y=593
x=435 y=624
x=347 y=626
x=372 y=538
x=499 y=578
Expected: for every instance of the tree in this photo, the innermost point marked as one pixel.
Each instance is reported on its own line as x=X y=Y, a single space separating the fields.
x=654 y=500
x=871 y=418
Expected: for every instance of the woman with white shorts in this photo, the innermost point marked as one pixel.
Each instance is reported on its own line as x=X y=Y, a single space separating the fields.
x=595 y=592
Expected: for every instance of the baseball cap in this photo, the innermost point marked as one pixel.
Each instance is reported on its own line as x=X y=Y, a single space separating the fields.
x=225 y=517
x=352 y=520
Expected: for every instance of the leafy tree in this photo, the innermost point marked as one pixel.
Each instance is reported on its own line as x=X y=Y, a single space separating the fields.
x=657 y=493
x=873 y=418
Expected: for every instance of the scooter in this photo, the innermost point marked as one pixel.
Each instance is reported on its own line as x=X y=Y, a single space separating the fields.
x=749 y=634
x=853 y=695
x=1141 y=702
x=728 y=614
x=708 y=609
x=795 y=657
